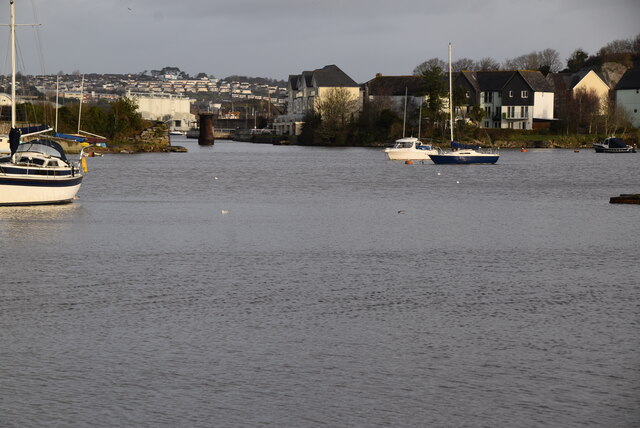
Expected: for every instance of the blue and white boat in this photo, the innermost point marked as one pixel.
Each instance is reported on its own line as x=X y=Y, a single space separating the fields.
x=36 y=172
x=462 y=154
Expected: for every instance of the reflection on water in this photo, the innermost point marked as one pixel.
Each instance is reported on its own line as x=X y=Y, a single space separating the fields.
x=337 y=289
x=40 y=222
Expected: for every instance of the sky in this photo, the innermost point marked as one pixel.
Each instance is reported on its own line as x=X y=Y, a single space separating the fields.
x=276 y=38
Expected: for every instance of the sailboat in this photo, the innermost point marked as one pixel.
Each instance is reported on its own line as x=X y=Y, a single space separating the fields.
x=461 y=154
x=36 y=172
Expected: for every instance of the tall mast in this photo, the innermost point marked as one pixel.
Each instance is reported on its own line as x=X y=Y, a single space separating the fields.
x=404 y=120
x=450 y=95
x=13 y=66
x=57 y=90
x=80 y=107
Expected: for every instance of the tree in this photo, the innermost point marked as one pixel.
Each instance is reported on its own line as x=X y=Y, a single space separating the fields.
x=576 y=61
x=336 y=108
x=487 y=64
x=429 y=64
x=549 y=61
x=435 y=88
x=463 y=64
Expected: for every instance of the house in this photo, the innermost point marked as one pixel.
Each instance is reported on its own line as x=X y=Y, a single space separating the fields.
x=568 y=85
x=173 y=109
x=306 y=90
x=627 y=93
x=519 y=99
x=392 y=91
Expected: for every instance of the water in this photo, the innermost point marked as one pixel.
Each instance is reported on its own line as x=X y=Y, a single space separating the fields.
x=255 y=285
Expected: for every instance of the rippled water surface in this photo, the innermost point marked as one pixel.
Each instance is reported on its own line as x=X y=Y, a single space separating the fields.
x=255 y=285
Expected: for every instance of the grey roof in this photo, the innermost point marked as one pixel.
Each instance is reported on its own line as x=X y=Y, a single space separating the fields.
x=629 y=80
x=536 y=81
x=493 y=80
x=394 y=85
x=293 y=81
x=332 y=76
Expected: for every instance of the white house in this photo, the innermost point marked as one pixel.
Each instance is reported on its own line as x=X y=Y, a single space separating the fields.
x=628 y=94
x=174 y=109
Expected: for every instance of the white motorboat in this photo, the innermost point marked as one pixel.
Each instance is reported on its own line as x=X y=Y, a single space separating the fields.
x=36 y=172
x=410 y=148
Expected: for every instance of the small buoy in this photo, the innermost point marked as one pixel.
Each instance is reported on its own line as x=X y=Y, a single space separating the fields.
x=408 y=162
x=457 y=182
x=438 y=173
x=576 y=151
x=224 y=212
x=523 y=150
x=215 y=178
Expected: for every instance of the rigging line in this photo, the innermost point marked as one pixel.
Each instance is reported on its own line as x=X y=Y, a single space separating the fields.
x=36 y=29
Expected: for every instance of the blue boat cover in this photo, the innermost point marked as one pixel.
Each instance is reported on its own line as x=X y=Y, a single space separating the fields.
x=457 y=146
x=616 y=143
x=77 y=138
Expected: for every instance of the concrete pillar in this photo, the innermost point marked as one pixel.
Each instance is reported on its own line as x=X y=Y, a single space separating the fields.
x=206 y=129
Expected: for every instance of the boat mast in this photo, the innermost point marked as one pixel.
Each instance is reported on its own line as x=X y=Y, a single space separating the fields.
x=450 y=96
x=404 y=120
x=57 y=90
x=81 y=97
x=13 y=66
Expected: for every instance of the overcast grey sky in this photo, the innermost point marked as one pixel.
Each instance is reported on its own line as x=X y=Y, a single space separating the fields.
x=275 y=38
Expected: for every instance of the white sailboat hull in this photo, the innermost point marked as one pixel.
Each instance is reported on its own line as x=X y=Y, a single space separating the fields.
x=20 y=191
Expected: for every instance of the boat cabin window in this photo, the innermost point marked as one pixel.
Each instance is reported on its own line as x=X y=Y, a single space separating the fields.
x=404 y=144
x=53 y=163
x=30 y=161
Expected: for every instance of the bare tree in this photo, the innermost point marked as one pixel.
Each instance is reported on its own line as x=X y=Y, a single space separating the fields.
x=428 y=65
x=529 y=61
x=487 y=64
x=463 y=64
x=550 y=60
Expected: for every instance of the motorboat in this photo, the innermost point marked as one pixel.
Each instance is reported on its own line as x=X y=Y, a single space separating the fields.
x=613 y=145
x=410 y=148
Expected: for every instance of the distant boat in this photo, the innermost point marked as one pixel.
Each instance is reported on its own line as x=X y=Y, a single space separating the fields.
x=176 y=133
x=462 y=154
x=410 y=148
x=36 y=172
x=613 y=145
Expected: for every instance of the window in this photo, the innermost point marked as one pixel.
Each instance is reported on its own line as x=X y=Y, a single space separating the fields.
x=467 y=94
x=510 y=94
x=486 y=124
x=524 y=94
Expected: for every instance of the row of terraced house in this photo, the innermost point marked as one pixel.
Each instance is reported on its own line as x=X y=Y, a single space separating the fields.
x=518 y=99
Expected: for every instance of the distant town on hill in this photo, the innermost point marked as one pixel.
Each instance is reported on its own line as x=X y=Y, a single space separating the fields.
x=169 y=80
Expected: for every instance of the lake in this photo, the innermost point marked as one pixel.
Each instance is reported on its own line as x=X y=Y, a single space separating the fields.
x=249 y=285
